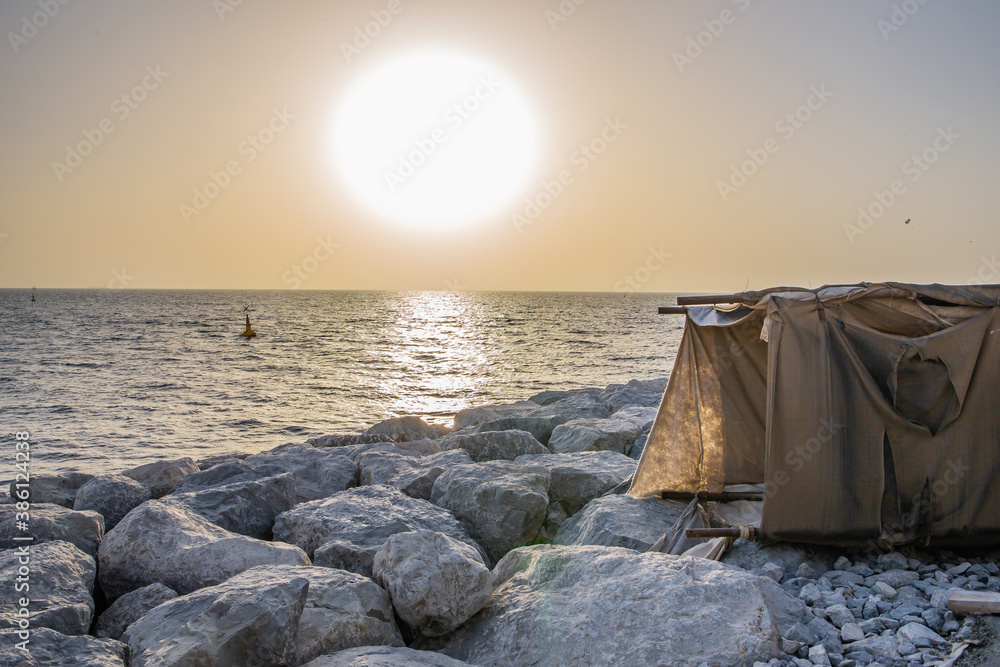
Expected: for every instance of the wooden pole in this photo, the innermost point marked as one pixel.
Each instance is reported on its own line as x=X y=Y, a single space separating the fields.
x=712 y=299
x=734 y=531
x=712 y=496
x=671 y=310
x=983 y=602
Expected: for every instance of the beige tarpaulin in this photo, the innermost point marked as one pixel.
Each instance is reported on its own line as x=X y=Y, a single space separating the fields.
x=869 y=412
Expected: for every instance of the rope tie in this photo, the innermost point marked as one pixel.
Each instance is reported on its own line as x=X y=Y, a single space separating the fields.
x=744 y=532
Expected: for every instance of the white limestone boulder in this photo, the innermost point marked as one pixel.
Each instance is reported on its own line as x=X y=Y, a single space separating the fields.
x=385 y=656
x=319 y=473
x=247 y=507
x=59 y=587
x=111 y=496
x=592 y=435
x=413 y=475
x=160 y=477
x=167 y=544
x=52 y=488
x=400 y=429
x=604 y=607
x=485 y=413
x=436 y=582
x=346 y=530
x=620 y=521
x=342 y=610
x=502 y=504
x=48 y=648
x=250 y=620
x=49 y=523
x=494 y=445
x=130 y=607
x=580 y=477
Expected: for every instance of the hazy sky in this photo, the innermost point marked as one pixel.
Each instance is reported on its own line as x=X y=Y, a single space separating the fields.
x=700 y=145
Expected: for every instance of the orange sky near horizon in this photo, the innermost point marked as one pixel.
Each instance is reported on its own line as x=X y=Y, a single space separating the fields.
x=657 y=146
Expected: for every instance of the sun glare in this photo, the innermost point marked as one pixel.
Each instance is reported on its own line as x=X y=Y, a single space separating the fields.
x=435 y=141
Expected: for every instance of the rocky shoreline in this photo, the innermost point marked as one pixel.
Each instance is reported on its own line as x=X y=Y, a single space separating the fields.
x=503 y=541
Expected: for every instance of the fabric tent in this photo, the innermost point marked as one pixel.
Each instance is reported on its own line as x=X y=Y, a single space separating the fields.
x=870 y=413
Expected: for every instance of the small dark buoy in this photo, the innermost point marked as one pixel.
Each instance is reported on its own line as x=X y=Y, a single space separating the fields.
x=249 y=332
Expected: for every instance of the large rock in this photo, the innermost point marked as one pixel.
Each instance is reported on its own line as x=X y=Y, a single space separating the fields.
x=59 y=585
x=486 y=413
x=641 y=417
x=754 y=555
x=436 y=582
x=592 y=435
x=345 y=439
x=248 y=508
x=495 y=445
x=346 y=530
x=130 y=607
x=342 y=610
x=319 y=473
x=162 y=543
x=225 y=471
x=111 y=496
x=539 y=427
x=49 y=523
x=415 y=448
x=578 y=405
x=250 y=620
x=212 y=461
x=550 y=396
x=619 y=396
x=403 y=428
x=160 y=477
x=48 y=648
x=501 y=503
x=580 y=477
x=414 y=476
x=55 y=489
x=603 y=606
x=385 y=656
x=620 y=521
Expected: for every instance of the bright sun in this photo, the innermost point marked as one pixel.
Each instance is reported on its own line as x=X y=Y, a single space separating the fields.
x=435 y=141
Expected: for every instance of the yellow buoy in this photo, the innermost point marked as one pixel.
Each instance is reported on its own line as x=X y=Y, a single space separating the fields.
x=249 y=333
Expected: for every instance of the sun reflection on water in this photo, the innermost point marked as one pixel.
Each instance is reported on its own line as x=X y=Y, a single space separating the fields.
x=439 y=352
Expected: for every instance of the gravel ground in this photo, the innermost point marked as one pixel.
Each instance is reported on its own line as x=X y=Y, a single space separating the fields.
x=988 y=653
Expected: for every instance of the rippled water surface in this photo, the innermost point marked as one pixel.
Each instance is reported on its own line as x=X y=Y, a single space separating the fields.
x=105 y=380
